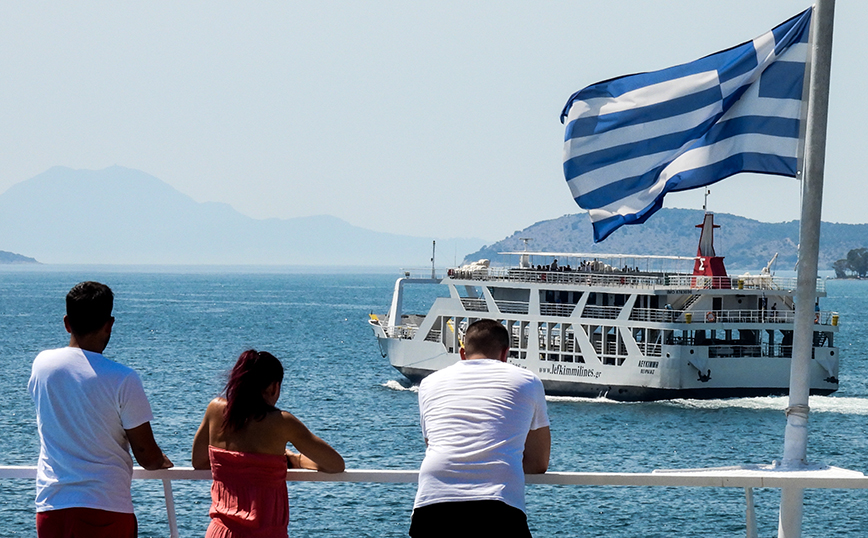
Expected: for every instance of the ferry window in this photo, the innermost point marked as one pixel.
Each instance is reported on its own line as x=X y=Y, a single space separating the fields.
x=504 y=294
x=620 y=299
x=592 y=298
x=576 y=295
x=473 y=292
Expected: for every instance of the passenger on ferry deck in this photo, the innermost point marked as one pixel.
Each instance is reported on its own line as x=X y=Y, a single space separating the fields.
x=485 y=425
x=89 y=411
x=242 y=439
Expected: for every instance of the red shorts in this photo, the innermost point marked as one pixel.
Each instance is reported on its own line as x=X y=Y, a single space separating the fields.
x=85 y=523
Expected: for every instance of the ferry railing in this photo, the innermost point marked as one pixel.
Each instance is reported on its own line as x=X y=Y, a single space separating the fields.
x=758 y=282
x=665 y=315
x=575 y=277
x=601 y=312
x=474 y=305
x=563 y=310
x=618 y=277
x=512 y=307
x=652 y=350
x=747 y=477
x=401 y=331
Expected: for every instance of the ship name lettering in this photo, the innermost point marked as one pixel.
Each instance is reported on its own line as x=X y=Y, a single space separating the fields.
x=647 y=364
x=578 y=371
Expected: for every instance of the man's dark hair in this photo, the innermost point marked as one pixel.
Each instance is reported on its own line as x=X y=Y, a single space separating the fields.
x=486 y=336
x=88 y=307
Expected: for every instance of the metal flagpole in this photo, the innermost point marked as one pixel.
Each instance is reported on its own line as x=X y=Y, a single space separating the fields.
x=796 y=436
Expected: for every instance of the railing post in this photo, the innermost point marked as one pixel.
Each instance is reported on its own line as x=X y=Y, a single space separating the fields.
x=750 y=519
x=170 y=508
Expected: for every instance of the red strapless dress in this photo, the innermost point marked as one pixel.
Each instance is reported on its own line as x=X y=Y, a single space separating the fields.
x=248 y=496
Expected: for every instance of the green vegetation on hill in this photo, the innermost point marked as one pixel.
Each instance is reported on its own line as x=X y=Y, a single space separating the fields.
x=856 y=263
x=746 y=244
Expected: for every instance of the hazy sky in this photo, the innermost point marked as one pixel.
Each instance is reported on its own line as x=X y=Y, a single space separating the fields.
x=422 y=118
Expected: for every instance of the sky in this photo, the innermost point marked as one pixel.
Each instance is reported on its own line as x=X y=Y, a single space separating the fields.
x=426 y=118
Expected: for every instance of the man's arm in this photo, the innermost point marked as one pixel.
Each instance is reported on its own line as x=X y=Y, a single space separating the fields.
x=537 y=448
x=145 y=448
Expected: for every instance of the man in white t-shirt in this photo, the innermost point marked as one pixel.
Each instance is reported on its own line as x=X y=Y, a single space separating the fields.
x=485 y=425
x=90 y=412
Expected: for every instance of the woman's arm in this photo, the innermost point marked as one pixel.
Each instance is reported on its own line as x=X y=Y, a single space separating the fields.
x=299 y=461
x=202 y=440
x=315 y=453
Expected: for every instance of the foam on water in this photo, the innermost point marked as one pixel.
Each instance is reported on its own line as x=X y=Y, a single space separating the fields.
x=819 y=404
x=396 y=385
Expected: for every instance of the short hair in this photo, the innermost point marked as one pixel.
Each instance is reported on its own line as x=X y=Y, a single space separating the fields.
x=486 y=336
x=88 y=307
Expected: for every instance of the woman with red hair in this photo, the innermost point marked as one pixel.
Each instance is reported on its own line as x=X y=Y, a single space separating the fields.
x=242 y=439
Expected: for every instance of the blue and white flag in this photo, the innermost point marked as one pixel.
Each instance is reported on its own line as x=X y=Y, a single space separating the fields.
x=632 y=139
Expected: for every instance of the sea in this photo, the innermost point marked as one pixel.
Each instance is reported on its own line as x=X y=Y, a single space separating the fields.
x=182 y=328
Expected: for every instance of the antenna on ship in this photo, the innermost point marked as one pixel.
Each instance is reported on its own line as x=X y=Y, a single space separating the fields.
x=705 y=203
x=433 y=251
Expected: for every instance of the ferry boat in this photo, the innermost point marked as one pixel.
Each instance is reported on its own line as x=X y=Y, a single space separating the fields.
x=623 y=327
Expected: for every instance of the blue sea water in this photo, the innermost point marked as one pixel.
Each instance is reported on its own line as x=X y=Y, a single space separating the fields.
x=182 y=330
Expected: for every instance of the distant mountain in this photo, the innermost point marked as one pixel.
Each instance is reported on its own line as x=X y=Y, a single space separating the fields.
x=746 y=244
x=12 y=258
x=124 y=216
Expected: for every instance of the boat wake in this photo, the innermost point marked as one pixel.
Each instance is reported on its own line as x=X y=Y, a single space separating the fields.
x=819 y=404
x=396 y=385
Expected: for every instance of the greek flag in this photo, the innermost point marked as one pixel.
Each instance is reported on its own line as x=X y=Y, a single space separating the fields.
x=632 y=139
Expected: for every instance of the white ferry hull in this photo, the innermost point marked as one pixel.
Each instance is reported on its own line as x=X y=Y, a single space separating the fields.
x=668 y=379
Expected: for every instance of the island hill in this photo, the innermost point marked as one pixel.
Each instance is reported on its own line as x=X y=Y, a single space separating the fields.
x=9 y=258
x=746 y=244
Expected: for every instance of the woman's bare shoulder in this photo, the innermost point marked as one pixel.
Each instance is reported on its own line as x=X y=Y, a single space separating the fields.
x=292 y=424
x=216 y=406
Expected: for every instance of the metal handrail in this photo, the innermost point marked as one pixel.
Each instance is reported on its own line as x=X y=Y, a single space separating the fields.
x=663 y=315
x=747 y=477
x=617 y=277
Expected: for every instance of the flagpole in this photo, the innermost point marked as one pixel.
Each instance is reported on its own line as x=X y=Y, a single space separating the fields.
x=796 y=435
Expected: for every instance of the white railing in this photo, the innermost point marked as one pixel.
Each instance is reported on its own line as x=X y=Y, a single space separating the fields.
x=747 y=477
x=472 y=304
x=723 y=316
x=512 y=307
x=601 y=312
x=557 y=309
x=618 y=277
x=401 y=331
x=585 y=278
x=737 y=282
